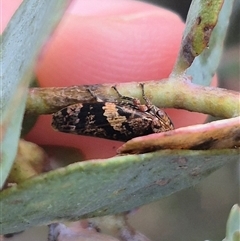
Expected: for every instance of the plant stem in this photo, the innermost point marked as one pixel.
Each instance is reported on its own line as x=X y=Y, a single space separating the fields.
x=170 y=93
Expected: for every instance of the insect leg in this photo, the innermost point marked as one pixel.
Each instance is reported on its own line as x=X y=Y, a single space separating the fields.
x=148 y=102
x=126 y=100
x=94 y=96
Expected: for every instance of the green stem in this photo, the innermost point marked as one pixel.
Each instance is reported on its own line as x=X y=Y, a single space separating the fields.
x=170 y=93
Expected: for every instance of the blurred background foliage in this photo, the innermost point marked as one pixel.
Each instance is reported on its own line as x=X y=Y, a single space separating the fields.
x=201 y=212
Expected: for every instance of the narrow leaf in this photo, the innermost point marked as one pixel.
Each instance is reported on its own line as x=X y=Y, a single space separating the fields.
x=203 y=38
x=205 y=65
x=215 y=135
x=233 y=224
x=102 y=187
x=21 y=41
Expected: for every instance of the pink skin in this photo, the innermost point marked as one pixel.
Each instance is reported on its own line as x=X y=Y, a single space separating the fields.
x=115 y=41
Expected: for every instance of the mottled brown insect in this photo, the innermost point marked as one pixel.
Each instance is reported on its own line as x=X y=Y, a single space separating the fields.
x=119 y=120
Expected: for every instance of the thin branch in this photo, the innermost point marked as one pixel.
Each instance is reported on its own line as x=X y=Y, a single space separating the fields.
x=170 y=93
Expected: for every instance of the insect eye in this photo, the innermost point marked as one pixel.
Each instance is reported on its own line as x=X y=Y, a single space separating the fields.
x=160 y=114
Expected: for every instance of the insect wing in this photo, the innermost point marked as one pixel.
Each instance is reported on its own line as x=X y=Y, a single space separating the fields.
x=103 y=119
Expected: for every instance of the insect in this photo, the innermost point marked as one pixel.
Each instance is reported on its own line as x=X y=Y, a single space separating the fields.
x=120 y=120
